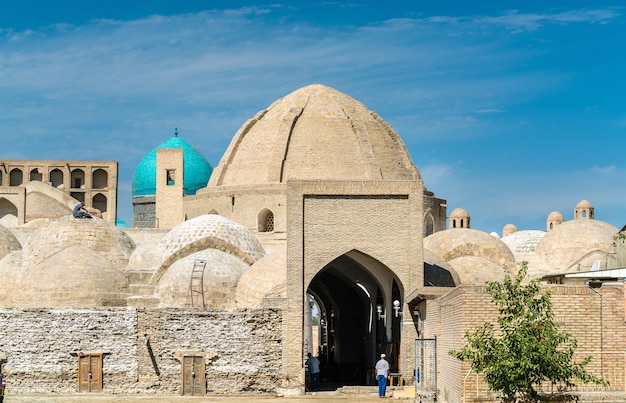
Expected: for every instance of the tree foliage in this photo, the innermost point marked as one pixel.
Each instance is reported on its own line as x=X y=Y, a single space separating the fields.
x=527 y=347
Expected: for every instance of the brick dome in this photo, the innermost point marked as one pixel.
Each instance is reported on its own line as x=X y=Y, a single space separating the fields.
x=474 y=255
x=208 y=231
x=98 y=235
x=313 y=133
x=574 y=245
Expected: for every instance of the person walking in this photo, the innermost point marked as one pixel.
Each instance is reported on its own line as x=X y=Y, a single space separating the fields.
x=313 y=364
x=382 y=374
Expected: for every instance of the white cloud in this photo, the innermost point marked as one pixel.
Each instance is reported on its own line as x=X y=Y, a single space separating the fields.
x=610 y=169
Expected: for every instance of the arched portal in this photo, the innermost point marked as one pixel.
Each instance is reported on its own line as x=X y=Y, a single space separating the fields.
x=352 y=333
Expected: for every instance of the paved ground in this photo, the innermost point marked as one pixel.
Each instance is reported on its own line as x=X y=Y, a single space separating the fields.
x=326 y=397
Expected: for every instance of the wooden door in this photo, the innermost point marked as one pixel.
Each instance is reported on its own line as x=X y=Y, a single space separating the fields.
x=194 y=382
x=90 y=373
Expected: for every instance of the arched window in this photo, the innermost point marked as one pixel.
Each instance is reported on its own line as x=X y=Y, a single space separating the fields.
x=99 y=201
x=35 y=175
x=100 y=179
x=56 y=178
x=0 y=178
x=16 y=177
x=78 y=178
x=265 y=221
x=213 y=211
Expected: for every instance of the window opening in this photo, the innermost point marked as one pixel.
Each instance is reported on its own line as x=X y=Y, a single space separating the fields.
x=171 y=178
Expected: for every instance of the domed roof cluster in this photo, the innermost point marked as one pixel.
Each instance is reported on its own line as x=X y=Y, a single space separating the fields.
x=197 y=169
x=567 y=246
x=315 y=132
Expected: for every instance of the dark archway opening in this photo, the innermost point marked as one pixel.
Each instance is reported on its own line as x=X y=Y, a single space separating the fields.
x=351 y=334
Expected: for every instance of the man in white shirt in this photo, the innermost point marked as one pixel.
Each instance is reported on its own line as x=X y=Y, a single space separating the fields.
x=382 y=373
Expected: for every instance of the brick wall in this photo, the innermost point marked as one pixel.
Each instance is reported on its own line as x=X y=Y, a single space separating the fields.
x=595 y=318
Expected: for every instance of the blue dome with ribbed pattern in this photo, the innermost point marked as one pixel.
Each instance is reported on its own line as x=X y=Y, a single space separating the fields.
x=197 y=169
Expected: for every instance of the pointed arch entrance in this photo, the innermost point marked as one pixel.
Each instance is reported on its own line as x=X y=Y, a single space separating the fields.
x=352 y=300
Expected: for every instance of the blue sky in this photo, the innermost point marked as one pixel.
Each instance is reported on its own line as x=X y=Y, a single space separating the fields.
x=509 y=109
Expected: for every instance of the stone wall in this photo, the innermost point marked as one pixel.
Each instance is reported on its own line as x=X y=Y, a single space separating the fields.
x=242 y=349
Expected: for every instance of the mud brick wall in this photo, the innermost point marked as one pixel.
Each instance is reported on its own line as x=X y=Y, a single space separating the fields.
x=242 y=349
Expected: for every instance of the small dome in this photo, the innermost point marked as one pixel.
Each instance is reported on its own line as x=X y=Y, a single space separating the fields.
x=75 y=276
x=8 y=242
x=220 y=277
x=555 y=216
x=197 y=169
x=265 y=279
x=459 y=213
x=456 y=245
x=576 y=244
x=583 y=210
x=509 y=229
x=100 y=236
x=316 y=133
x=208 y=231
x=459 y=218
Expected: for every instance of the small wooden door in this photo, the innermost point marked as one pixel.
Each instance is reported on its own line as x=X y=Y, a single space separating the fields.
x=90 y=373
x=194 y=383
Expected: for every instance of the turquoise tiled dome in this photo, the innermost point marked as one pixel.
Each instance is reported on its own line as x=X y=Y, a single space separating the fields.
x=197 y=169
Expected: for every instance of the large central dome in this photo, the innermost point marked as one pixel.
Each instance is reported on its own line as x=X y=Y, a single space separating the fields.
x=317 y=133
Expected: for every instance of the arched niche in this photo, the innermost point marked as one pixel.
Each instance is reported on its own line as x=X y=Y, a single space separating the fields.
x=100 y=179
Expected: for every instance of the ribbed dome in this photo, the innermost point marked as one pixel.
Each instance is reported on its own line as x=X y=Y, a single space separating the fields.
x=197 y=169
x=315 y=132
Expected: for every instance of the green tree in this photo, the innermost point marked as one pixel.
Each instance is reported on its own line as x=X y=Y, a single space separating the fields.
x=527 y=348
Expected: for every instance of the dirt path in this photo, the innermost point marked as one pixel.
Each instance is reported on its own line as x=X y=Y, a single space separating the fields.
x=326 y=397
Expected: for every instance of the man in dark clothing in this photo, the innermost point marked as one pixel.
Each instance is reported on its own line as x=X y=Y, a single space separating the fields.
x=80 y=211
x=313 y=364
